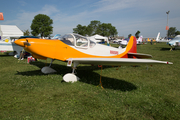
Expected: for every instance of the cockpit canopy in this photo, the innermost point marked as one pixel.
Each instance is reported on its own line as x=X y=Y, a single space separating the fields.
x=77 y=41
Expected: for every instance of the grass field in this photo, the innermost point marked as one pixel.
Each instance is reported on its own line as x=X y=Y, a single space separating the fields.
x=129 y=92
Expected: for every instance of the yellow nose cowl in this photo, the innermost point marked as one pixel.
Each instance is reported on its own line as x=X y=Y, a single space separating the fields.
x=20 y=42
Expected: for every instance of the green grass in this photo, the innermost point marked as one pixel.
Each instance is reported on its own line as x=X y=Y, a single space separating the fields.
x=129 y=92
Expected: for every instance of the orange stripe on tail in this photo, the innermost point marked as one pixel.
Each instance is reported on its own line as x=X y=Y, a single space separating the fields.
x=133 y=48
x=130 y=48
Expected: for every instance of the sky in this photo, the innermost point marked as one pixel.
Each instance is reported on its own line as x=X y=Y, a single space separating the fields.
x=128 y=16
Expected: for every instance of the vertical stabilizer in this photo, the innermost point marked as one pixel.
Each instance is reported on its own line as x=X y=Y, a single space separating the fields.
x=139 y=39
x=157 y=38
x=132 y=47
x=57 y=36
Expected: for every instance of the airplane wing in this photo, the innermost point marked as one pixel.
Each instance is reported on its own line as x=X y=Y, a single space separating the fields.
x=115 y=61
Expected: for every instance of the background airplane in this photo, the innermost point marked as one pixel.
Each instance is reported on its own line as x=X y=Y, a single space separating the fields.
x=139 y=40
x=88 y=52
x=125 y=41
x=57 y=36
x=149 y=40
x=158 y=39
x=99 y=39
x=175 y=42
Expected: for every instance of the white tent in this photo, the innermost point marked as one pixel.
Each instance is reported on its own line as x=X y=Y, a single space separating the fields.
x=10 y=31
x=7 y=34
x=99 y=38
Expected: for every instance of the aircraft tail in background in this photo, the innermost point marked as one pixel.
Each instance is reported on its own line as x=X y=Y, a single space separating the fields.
x=139 y=41
x=57 y=36
x=157 y=38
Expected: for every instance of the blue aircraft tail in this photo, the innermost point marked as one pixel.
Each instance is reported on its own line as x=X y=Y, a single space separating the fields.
x=57 y=36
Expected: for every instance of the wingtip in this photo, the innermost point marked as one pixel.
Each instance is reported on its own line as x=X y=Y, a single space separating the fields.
x=169 y=63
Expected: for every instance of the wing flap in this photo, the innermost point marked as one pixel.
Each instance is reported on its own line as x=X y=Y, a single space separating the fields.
x=116 y=61
x=139 y=55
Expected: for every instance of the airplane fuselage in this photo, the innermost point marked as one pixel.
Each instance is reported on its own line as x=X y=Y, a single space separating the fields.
x=56 y=49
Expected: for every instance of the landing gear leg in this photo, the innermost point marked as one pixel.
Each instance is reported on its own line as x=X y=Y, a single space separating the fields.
x=71 y=77
x=100 y=83
x=51 y=62
x=48 y=69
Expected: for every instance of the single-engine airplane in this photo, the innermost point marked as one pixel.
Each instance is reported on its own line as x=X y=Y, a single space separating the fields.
x=68 y=49
x=161 y=40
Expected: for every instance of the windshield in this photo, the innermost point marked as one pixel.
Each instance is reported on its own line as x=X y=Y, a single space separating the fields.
x=77 y=40
x=81 y=41
x=67 y=39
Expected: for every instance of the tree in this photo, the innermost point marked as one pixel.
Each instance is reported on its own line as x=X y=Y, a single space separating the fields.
x=89 y=30
x=129 y=35
x=80 y=30
x=172 y=31
x=96 y=27
x=26 y=32
x=113 y=31
x=107 y=29
x=42 y=24
x=177 y=33
x=137 y=34
x=103 y=29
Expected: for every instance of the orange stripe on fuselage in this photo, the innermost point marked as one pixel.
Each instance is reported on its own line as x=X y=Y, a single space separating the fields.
x=56 y=49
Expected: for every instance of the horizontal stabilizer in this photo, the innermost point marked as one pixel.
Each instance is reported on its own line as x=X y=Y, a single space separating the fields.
x=139 y=55
x=117 y=61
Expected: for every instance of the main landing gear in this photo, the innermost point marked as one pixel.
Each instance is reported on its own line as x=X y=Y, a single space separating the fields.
x=71 y=77
x=48 y=69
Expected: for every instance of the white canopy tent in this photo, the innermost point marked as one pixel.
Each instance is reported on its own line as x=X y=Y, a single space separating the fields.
x=8 y=33
x=11 y=31
x=98 y=38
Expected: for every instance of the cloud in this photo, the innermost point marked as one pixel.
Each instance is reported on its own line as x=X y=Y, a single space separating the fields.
x=24 y=18
x=127 y=16
x=22 y=3
x=112 y=5
x=48 y=10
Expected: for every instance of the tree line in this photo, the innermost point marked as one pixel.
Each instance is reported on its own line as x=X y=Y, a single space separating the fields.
x=42 y=25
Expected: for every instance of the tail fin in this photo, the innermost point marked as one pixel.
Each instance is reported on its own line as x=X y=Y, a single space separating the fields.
x=132 y=47
x=140 y=39
x=157 y=38
x=57 y=36
x=132 y=50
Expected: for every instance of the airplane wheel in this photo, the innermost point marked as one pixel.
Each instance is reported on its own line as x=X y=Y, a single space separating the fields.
x=69 y=77
x=47 y=70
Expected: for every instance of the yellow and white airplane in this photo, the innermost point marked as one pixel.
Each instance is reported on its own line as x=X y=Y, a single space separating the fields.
x=76 y=49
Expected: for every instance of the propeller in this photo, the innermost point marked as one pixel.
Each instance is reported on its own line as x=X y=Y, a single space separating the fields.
x=27 y=43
